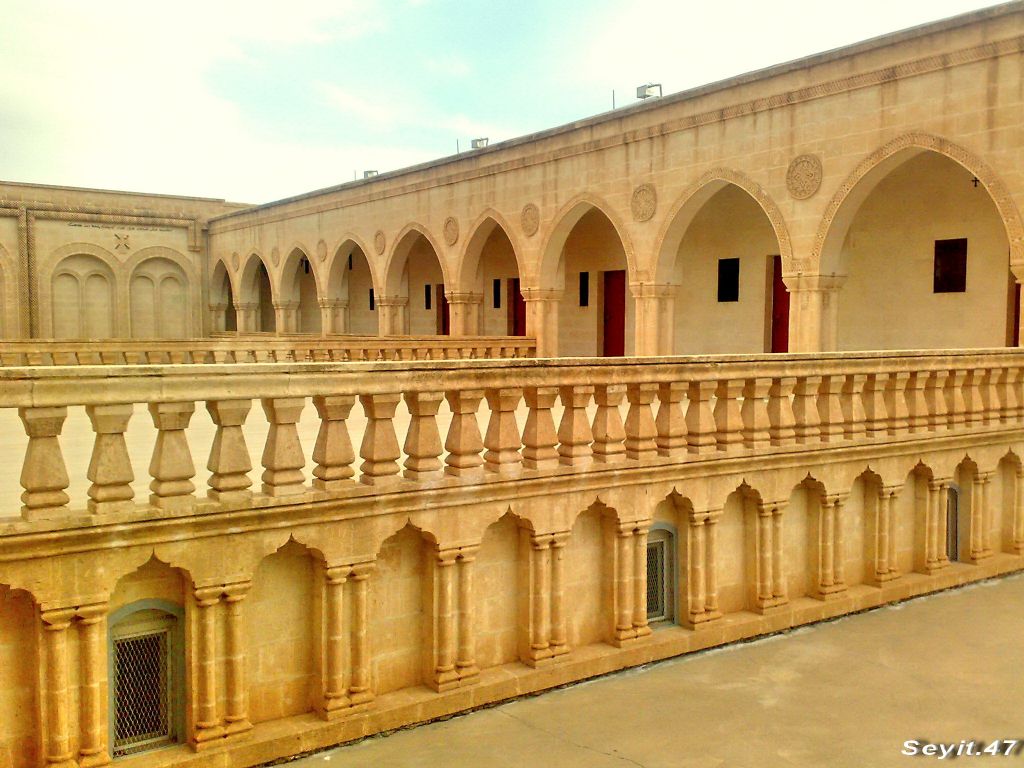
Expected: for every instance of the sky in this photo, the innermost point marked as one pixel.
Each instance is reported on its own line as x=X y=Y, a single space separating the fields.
x=254 y=101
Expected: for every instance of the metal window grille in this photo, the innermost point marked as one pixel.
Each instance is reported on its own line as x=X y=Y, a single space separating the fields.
x=657 y=588
x=142 y=692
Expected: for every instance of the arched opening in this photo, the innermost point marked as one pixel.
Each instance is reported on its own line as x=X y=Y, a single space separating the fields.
x=146 y=659
x=587 y=578
x=926 y=258
x=280 y=627
x=19 y=721
x=299 y=293
x=727 y=267
x=222 y=300
x=159 y=297
x=490 y=275
x=83 y=299
x=416 y=302
x=500 y=611
x=257 y=298
x=741 y=585
x=351 y=293
x=965 y=500
x=661 y=570
x=586 y=260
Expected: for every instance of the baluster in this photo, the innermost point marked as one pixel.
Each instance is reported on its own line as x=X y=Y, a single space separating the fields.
x=917 y=404
x=851 y=403
x=830 y=412
x=229 y=463
x=700 y=420
x=609 y=432
x=423 y=441
x=110 y=469
x=464 y=444
x=283 y=460
x=782 y=422
x=671 y=423
x=379 y=448
x=955 y=399
x=333 y=452
x=502 y=440
x=728 y=423
x=756 y=422
x=875 y=413
x=539 y=439
x=574 y=433
x=935 y=398
x=805 y=409
x=171 y=467
x=640 y=428
x=990 y=394
x=897 y=419
x=43 y=475
x=975 y=410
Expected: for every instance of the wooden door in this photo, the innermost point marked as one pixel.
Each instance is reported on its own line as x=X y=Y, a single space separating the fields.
x=780 y=308
x=516 y=308
x=614 y=344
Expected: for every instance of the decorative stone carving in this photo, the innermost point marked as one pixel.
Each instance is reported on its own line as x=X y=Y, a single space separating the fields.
x=234 y=261
x=379 y=242
x=275 y=256
x=451 y=230
x=321 y=251
x=644 y=202
x=530 y=219
x=803 y=178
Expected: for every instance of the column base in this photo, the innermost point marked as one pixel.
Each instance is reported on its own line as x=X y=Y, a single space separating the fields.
x=831 y=592
x=702 y=619
x=539 y=657
x=444 y=681
x=229 y=497
x=94 y=760
x=469 y=674
x=878 y=579
x=359 y=699
x=559 y=650
x=642 y=631
x=207 y=737
x=936 y=567
x=769 y=605
x=237 y=728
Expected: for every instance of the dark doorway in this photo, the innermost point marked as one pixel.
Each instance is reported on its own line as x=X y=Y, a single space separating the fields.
x=1013 y=332
x=516 y=308
x=614 y=313
x=780 y=307
x=952 y=513
x=443 y=316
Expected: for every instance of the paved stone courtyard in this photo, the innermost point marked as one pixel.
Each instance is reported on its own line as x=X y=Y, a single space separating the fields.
x=847 y=693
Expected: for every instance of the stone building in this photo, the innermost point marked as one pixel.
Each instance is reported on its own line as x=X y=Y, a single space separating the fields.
x=443 y=520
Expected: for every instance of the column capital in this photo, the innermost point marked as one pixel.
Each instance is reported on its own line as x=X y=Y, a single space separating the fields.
x=540 y=540
x=889 y=490
x=835 y=499
x=939 y=483
x=362 y=571
x=447 y=556
x=57 y=618
x=464 y=297
x=468 y=553
x=236 y=591
x=208 y=596
x=820 y=283
x=652 y=290
x=540 y=294
x=92 y=613
x=392 y=301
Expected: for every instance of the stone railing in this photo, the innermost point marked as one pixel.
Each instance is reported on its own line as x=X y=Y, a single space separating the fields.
x=258 y=348
x=626 y=413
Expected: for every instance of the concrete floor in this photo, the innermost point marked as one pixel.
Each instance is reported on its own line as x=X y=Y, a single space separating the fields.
x=848 y=693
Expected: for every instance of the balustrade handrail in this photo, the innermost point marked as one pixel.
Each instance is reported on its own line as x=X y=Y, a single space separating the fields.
x=675 y=408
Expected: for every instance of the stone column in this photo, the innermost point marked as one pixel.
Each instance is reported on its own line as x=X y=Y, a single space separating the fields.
x=695 y=558
x=980 y=549
x=359 y=691
x=246 y=315
x=764 y=555
x=237 y=717
x=813 y=311
x=229 y=463
x=935 y=528
x=333 y=316
x=778 y=562
x=711 y=610
x=831 y=577
x=883 y=514
x=445 y=676
x=540 y=647
x=640 y=626
x=333 y=449
x=335 y=699
x=92 y=657
x=286 y=316
x=43 y=475
x=465 y=308
x=171 y=467
x=465 y=660
x=542 y=319
x=559 y=643
x=56 y=700
x=623 y=583
x=110 y=469
x=655 y=307
x=207 y=719
x=393 y=315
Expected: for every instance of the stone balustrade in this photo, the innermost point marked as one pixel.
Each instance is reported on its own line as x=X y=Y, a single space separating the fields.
x=257 y=348
x=676 y=410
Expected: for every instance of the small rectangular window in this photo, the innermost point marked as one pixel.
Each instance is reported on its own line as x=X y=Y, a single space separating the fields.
x=656 y=598
x=950 y=274
x=728 y=279
x=373 y=305
x=496 y=292
x=584 y=289
x=350 y=262
x=426 y=297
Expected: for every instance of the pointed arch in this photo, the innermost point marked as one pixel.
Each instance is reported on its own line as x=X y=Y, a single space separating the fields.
x=479 y=232
x=398 y=257
x=352 y=286
x=565 y=221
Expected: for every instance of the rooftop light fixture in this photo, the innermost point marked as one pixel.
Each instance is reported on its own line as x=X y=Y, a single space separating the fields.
x=479 y=143
x=369 y=174
x=651 y=90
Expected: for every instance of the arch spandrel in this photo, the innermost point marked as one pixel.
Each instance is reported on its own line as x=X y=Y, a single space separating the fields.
x=846 y=201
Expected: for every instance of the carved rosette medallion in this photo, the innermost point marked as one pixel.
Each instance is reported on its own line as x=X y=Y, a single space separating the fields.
x=379 y=242
x=451 y=230
x=321 y=251
x=644 y=202
x=804 y=176
x=234 y=261
x=275 y=256
x=530 y=219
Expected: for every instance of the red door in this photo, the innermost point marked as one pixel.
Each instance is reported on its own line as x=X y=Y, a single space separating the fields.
x=614 y=313
x=516 y=309
x=444 y=320
x=780 y=308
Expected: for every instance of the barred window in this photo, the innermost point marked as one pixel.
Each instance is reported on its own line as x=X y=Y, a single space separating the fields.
x=660 y=570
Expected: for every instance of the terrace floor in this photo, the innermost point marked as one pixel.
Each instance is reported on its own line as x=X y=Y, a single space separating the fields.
x=944 y=668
